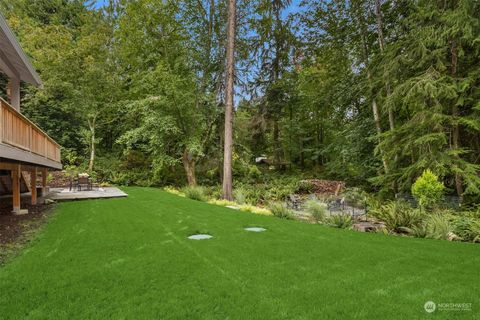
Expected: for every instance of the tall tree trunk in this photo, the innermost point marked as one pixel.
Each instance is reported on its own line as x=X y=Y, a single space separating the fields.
x=276 y=143
x=208 y=49
x=366 y=60
x=378 y=18
x=381 y=42
x=189 y=165
x=376 y=116
x=229 y=93
x=275 y=77
x=91 y=125
x=378 y=126
x=455 y=114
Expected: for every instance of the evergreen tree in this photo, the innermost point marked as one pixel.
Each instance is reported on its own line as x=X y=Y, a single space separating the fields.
x=434 y=68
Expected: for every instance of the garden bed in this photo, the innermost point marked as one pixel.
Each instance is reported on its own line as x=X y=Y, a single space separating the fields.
x=15 y=229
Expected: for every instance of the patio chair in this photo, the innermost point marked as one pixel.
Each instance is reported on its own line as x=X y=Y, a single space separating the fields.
x=73 y=183
x=84 y=182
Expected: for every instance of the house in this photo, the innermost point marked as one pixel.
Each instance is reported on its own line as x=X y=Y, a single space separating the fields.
x=25 y=150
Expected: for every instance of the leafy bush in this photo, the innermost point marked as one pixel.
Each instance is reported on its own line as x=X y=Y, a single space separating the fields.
x=239 y=196
x=427 y=190
x=356 y=197
x=280 y=210
x=254 y=195
x=274 y=188
x=305 y=186
x=398 y=216
x=317 y=209
x=418 y=231
x=254 y=209
x=438 y=226
x=213 y=192
x=244 y=207
x=194 y=193
x=343 y=221
x=254 y=172
x=474 y=233
x=174 y=191
x=467 y=228
x=221 y=202
x=435 y=226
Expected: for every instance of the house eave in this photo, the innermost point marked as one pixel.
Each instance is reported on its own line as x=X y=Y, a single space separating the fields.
x=28 y=74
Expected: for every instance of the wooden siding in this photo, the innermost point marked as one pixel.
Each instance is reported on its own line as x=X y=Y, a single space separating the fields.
x=18 y=131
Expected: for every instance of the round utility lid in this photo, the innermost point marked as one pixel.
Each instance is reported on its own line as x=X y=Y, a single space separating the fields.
x=200 y=237
x=255 y=229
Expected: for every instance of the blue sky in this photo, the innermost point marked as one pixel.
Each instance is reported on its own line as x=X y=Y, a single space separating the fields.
x=99 y=3
x=295 y=6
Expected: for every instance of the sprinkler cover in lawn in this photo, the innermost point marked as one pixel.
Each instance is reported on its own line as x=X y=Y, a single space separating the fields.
x=255 y=229
x=200 y=237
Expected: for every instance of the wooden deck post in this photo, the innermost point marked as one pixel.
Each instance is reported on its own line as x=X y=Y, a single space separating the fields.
x=44 y=181
x=33 y=185
x=16 y=172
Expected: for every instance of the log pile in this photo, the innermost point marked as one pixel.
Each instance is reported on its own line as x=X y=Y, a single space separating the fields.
x=59 y=179
x=323 y=187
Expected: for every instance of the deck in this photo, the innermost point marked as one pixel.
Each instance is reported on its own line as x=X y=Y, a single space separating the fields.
x=22 y=140
x=25 y=149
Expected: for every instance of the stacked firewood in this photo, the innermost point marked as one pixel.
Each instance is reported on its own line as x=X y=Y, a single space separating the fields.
x=324 y=187
x=58 y=179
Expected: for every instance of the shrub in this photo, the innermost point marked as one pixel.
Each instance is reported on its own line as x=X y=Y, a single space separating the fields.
x=254 y=172
x=254 y=209
x=435 y=226
x=474 y=232
x=221 y=202
x=427 y=190
x=317 y=209
x=239 y=196
x=342 y=220
x=212 y=192
x=418 y=231
x=305 y=186
x=356 y=197
x=467 y=228
x=271 y=190
x=438 y=226
x=174 y=191
x=254 y=195
x=194 y=193
x=280 y=210
x=398 y=216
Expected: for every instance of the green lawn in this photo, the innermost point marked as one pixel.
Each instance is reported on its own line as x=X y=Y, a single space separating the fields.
x=130 y=259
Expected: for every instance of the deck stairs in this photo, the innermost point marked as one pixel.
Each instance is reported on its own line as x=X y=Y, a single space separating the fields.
x=6 y=182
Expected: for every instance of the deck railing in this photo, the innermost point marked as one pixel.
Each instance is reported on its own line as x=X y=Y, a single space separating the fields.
x=18 y=131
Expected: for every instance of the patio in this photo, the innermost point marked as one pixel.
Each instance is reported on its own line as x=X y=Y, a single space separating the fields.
x=65 y=194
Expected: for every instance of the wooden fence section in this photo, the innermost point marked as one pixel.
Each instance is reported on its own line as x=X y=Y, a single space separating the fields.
x=18 y=131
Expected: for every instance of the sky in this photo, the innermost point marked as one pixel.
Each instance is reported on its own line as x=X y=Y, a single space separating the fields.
x=294 y=7
x=99 y=3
